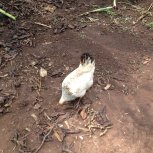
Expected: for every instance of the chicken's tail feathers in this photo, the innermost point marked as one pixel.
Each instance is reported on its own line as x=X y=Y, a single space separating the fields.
x=86 y=58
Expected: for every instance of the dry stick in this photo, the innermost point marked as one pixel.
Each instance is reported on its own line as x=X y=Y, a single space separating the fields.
x=145 y=13
x=3 y=76
x=100 y=9
x=104 y=9
x=44 y=139
x=46 y=134
x=45 y=114
x=41 y=24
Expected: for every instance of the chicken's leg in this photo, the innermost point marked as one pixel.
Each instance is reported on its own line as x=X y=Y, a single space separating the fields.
x=78 y=103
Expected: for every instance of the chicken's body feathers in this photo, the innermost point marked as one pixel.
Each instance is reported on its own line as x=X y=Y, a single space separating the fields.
x=79 y=81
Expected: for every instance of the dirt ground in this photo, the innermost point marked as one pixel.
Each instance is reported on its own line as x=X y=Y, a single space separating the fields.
x=52 y=35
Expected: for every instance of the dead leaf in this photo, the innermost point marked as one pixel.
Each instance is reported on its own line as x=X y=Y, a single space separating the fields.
x=107 y=87
x=50 y=8
x=103 y=133
x=43 y=72
x=83 y=114
x=146 y=60
x=59 y=134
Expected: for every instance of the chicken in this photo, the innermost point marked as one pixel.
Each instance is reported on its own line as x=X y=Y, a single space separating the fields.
x=78 y=81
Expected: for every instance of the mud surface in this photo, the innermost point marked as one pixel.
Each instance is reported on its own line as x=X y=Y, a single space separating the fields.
x=52 y=35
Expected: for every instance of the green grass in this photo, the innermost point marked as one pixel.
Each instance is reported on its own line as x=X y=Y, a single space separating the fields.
x=7 y=14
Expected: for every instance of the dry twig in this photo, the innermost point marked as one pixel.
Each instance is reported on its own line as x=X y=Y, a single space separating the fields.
x=144 y=14
x=45 y=137
x=44 y=25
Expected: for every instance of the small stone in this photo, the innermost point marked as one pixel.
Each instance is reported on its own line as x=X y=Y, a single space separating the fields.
x=37 y=106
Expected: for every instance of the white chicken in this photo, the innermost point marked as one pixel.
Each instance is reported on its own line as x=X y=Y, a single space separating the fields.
x=78 y=81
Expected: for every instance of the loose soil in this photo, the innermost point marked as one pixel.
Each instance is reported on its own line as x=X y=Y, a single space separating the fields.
x=50 y=34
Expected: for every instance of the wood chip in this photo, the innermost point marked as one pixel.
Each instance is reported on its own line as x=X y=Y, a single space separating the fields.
x=107 y=87
x=43 y=72
x=59 y=135
x=44 y=25
x=83 y=114
x=34 y=117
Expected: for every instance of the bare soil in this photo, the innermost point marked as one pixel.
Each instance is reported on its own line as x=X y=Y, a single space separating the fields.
x=53 y=36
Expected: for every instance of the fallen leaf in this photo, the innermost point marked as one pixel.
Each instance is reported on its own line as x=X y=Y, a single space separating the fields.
x=103 y=133
x=83 y=114
x=146 y=60
x=59 y=134
x=50 y=8
x=43 y=72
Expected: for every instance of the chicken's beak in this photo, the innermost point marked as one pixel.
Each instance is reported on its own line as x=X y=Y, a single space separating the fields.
x=61 y=101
